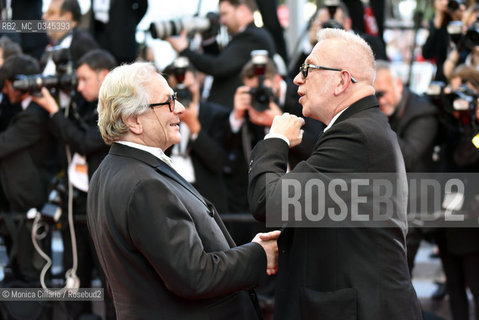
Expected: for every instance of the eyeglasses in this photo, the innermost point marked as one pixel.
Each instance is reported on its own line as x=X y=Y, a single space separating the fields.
x=304 y=69
x=171 y=102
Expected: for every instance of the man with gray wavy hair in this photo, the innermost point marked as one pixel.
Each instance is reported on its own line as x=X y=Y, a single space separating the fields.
x=163 y=247
x=336 y=271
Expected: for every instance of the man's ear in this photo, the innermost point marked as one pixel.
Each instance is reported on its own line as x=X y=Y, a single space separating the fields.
x=134 y=124
x=343 y=84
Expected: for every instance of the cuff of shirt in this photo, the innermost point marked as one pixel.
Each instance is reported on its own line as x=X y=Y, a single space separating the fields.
x=276 y=135
x=235 y=123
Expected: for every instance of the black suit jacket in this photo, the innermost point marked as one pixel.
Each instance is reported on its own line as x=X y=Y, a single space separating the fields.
x=164 y=249
x=339 y=273
x=415 y=124
x=118 y=35
x=226 y=66
x=28 y=159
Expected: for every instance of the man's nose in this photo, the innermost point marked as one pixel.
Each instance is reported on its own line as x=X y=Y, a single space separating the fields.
x=299 y=79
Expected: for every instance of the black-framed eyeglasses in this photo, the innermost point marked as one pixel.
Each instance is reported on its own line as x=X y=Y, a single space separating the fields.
x=304 y=69
x=171 y=102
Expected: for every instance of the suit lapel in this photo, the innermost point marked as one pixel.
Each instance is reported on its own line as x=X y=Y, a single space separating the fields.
x=160 y=166
x=362 y=104
x=170 y=172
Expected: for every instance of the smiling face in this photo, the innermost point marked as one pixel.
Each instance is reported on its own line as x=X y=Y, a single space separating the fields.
x=160 y=127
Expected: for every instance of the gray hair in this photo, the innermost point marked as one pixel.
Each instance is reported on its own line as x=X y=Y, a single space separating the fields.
x=123 y=94
x=386 y=65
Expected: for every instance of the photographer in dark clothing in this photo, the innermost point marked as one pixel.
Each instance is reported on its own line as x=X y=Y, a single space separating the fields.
x=79 y=131
x=414 y=120
x=28 y=159
x=200 y=155
x=225 y=65
x=255 y=106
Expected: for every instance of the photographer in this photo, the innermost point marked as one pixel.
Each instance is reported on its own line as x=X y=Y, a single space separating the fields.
x=28 y=155
x=437 y=43
x=79 y=131
x=466 y=45
x=459 y=247
x=225 y=65
x=256 y=103
x=200 y=156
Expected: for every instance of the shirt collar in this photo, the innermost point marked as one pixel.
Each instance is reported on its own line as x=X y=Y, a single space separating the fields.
x=157 y=152
x=334 y=119
x=26 y=102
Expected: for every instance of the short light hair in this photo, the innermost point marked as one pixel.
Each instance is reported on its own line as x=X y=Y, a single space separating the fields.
x=356 y=54
x=123 y=93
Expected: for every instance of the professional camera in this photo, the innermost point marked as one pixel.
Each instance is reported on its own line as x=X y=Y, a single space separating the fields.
x=461 y=101
x=261 y=96
x=332 y=6
x=64 y=79
x=179 y=67
x=467 y=40
x=453 y=5
x=52 y=210
x=167 y=28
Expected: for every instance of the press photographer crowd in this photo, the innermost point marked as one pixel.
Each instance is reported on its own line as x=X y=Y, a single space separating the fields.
x=157 y=181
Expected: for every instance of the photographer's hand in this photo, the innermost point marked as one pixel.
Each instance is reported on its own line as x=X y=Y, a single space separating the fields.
x=242 y=101
x=264 y=118
x=46 y=101
x=289 y=126
x=180 y=42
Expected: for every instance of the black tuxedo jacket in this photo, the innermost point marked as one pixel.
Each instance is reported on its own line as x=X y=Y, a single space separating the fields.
x=28 y=159
x=226 y=66
x=339 y=273
x=164 y=249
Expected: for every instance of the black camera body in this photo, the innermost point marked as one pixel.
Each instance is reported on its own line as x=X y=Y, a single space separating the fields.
x=261 y=95
x=463 y=101
x=453 y=5
x=467 y=40
x=52 y=209
x=184 y=95
x=167 y=28
x=64 y=79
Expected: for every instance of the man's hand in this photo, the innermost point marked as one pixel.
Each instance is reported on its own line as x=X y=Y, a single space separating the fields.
x=180 y=42
x=264 y=118
x=270 y=245
x=242 y=102
x=46 y=101
x=289 y=126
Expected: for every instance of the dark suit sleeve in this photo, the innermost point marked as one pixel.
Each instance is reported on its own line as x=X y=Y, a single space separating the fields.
x=229 y=61
x=342 y=151
x=82 y=141
x=23 y=132
x=163 y=230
